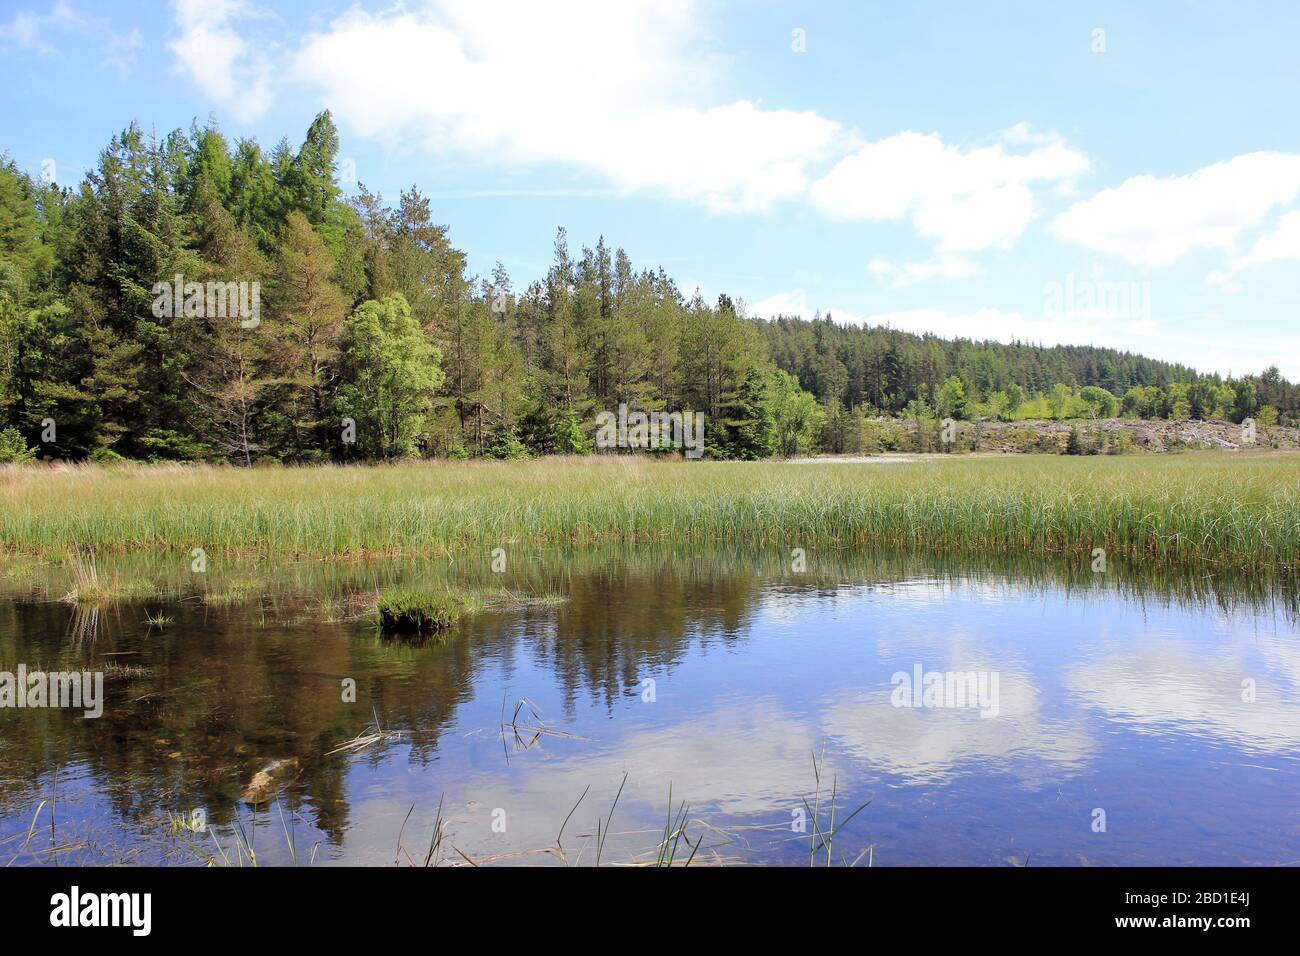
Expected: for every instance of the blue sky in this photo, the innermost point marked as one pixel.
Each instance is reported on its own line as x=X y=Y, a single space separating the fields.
x=1109 y=173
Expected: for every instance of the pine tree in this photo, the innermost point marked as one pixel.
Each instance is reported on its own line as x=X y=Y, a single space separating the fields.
x=562 y=358
x=306 y=309
x=226 y=371
x=425 y=267
x=125 y=235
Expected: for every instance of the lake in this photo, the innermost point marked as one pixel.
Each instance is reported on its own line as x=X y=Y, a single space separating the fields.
x=1061 y=716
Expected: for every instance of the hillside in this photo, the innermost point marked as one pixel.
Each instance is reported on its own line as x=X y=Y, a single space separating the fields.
x=887 y=368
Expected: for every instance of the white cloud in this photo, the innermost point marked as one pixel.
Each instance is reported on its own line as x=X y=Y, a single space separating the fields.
x=1023 y=133
x=795 y=303
x=1156 y=221
x=226 y=67
x=620 y=90
x=1280 y=245
x=1224 y=282
x=985 y=323
x=609 y=87
x=29 y=30
x=34 y=32
x=120 y=51
x=967 y=200
x=942 y=266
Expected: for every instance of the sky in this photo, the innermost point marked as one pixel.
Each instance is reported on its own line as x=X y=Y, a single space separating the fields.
x=1114 y=174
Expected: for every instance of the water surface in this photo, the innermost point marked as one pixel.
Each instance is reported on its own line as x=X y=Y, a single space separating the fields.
x=742 y=690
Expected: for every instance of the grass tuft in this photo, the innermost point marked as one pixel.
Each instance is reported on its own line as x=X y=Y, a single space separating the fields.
x=416 y=611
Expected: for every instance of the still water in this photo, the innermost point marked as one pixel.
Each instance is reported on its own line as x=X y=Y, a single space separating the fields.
x=1118 y=720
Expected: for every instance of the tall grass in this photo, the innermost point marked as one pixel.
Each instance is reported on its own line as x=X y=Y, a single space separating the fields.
x=1236 y=510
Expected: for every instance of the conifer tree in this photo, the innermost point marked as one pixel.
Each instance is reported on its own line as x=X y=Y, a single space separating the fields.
x=302 y=338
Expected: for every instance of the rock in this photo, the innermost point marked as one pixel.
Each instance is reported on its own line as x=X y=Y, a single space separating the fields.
x=268 y=781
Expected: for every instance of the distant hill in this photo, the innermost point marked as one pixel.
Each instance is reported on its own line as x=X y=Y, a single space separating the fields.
x=886 y=368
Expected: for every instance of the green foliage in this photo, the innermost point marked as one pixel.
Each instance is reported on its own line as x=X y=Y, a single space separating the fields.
x=469 y=366
x=750 y=431
x=567 y=438
x=105 y=456
x=1102 y=403
x=13 y=448
x=506 y=446
x=950 y=401
x=797 y=417
x=410 y=610
x=390 y=375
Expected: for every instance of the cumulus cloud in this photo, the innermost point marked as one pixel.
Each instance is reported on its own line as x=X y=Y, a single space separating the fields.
x=942 y=266
x=795 y=303
x=30 y=30
x=1155 y=221
x=968 y=200
x=986 y=323
x=1280 y=245
x=620 y=90
x=121 y=50
x=215 y=53
x=606 y=87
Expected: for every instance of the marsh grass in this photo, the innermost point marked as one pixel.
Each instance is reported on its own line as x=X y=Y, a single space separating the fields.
x=675 y=835
x=414 y=610
x=420 y=611
x=90 y=590
x=823 y=838
x=117 y=673
x=532 y=728
x=238 y=590
x=241 y=837
x=373 y=733
x=158 y=620
x=1228 y=509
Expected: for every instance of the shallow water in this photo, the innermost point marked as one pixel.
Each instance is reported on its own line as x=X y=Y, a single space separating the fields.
x=717 y=679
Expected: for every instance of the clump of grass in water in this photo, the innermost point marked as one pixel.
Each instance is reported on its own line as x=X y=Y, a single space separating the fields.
x=159 y=620
x=88 y=588
x=114 y=672
x=415 y=611
x=236 y=591
x=824 y=838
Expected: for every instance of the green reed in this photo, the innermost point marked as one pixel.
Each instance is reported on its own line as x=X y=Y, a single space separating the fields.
x=1233 y=510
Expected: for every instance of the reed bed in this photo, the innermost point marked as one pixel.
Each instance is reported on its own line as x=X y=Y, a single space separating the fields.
x=1233 y=510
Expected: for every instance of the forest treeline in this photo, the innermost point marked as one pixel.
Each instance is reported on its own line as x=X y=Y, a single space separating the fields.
x=127 y=330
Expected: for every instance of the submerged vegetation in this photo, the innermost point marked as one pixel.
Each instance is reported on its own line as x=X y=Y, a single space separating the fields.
x=90 y=589
x=1223 y=509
